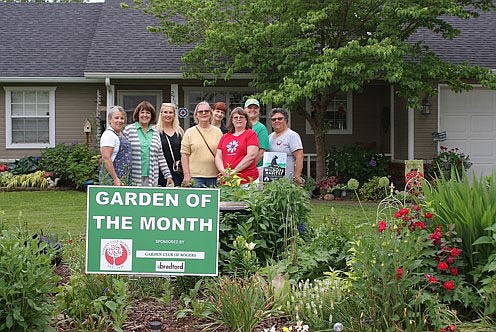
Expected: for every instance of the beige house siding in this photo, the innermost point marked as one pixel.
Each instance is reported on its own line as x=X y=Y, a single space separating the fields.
x=425 y=125
x=370 y=122
x=74 y=103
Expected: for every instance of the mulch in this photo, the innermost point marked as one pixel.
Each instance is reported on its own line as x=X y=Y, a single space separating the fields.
x=143 y=312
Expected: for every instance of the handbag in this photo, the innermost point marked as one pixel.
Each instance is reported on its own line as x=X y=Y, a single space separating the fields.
x=176 y=164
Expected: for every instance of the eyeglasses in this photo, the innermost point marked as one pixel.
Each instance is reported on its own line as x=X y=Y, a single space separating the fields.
x=239 y=118
x=203 y=111
x=277 y=119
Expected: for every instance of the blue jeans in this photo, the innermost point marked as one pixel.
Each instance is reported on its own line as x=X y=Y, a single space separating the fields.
x=205 y=182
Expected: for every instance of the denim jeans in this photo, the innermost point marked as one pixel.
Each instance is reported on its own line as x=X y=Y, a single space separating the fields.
x=205 y=182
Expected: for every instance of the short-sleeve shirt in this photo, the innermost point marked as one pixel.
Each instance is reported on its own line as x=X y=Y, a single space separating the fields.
x=110 y=139
x=287 y=143
x=235 y=148
x=263 y=138
x=201 y=160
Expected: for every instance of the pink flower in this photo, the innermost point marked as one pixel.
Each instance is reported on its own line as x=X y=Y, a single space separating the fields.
x=454 y=271
x=442 y=329
x=382 y=226
x=449 y=285
x=416 y=207
x=450 y=260
x=451 y=327
x=442 y=266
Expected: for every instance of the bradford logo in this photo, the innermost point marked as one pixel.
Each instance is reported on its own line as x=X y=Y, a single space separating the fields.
x=116 y=254
x=169 y=266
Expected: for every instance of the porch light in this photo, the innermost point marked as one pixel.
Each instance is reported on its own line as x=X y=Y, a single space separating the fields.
x=426 y=106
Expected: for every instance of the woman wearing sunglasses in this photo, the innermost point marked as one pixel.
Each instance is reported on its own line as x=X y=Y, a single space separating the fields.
x=197 y=149
x=285 y=140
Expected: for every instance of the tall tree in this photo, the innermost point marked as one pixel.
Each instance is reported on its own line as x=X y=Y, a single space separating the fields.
x=301 y=50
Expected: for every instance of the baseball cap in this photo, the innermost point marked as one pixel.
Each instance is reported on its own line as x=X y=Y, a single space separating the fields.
x=252 y=101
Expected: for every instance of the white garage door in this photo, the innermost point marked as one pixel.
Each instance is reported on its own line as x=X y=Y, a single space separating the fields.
x=469 y=119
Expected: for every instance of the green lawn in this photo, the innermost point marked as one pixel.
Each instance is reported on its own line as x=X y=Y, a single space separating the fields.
x=64 y=212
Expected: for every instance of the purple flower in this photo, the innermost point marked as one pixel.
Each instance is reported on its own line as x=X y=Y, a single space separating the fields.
x=372 y=163
x=301 y=227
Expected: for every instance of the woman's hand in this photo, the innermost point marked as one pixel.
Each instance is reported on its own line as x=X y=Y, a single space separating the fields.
x=170 y=182
x=117 y=182
x=186 y=181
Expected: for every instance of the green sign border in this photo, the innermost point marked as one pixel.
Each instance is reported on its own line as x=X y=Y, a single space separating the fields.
x=152 y=231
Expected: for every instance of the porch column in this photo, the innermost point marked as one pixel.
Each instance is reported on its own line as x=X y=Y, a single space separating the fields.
x=391 y=121
x=174 y=93
x=411 y=133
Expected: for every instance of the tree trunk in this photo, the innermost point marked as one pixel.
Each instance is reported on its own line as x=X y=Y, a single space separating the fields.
x=316 y=120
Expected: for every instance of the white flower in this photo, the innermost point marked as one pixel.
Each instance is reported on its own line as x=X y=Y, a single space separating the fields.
x=232 y=146
x=250 y=246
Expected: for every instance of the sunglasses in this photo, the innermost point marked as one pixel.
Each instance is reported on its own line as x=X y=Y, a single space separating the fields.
x=277 y=119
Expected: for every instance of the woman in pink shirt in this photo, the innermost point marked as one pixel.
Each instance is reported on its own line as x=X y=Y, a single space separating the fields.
x=238 y=148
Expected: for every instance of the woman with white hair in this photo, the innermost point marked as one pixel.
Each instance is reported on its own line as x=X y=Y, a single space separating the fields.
x=171 y=135
x=115 y=149
x=197 y=149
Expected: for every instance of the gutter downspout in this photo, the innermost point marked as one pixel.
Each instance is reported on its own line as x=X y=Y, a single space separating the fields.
x=391 y=122
x=110 y=95
x=411 y=133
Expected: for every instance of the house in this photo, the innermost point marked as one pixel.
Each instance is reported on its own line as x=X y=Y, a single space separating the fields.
x=62 y=64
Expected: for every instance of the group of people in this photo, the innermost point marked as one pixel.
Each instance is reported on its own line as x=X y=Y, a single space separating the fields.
x=158 y=152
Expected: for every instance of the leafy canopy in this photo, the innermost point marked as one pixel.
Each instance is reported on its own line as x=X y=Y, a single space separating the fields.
x=300 y=50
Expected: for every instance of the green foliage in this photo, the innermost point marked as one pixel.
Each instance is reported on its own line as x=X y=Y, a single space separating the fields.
x=73 y=164
x=373 y=190
x=353 y=161
x=31 y=180
x=239 y=304
x=470 y=208
x=314 y=302
x=486 y=273
x=26 y=282
x=297 y=53
x=25 y=165
x=450 y=162
x=397 y=277
x=5 y=178
x=242 y=260
x=94 y=302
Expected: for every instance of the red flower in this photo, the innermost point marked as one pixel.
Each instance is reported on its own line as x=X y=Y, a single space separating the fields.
x=404 y=211
x=454 y=271
x=397 y=215
x=449 y=285
x=416 y=207
x=428 y=215
x=442 y=266
x=436 y=235
x=382 y=226
x=442 y=329
x=455 y=252
x=419 y=224
x=431 y=279
x=450 y=260
x=399 y=273
x=451 y=327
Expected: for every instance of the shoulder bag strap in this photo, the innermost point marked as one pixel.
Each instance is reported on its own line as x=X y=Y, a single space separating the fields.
x=209 y=149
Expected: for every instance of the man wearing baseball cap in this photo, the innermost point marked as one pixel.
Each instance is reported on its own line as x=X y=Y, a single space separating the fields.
x=252 y=107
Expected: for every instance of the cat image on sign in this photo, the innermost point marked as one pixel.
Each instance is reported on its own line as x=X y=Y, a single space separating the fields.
x=274 y=166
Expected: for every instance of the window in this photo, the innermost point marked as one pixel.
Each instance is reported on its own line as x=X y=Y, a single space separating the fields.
x=338 y=115
x=30 y=117
x=233 y=97
x=129 y=99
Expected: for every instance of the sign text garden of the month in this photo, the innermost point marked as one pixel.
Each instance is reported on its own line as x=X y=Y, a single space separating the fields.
x=144 y=230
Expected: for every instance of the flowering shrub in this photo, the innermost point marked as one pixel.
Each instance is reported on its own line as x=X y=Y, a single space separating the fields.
x=406 y=274
x=3 y=168
x=354 y=161
x=450 y=160
x=326 y=184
